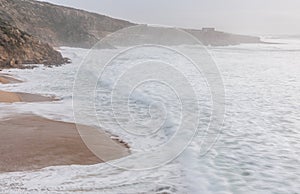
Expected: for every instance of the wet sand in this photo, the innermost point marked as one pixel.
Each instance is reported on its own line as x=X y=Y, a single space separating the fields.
x=11 y=97
x=30 y=142
x=5 y=79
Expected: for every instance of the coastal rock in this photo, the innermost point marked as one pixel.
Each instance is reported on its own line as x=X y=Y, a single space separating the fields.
x=64 y=26
x=210 y=36
x=59 y=25
x=18 y=48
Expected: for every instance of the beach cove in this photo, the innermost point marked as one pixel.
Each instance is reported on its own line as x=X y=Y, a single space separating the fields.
x=31 y=142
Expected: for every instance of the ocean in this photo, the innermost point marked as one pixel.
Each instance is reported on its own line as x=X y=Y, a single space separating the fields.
x=167 y=119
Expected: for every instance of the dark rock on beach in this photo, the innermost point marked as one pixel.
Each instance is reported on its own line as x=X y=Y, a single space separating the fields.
x=18 y=48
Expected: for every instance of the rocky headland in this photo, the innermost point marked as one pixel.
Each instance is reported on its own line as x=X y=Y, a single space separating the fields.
x=18 y=48
x=30 y=29
x=59 y=25
x=64 y=26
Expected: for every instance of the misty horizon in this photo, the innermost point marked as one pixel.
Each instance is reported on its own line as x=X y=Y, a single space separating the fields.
x=250 y=18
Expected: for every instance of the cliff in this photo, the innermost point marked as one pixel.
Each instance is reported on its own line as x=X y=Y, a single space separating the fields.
x=18 y=48
x=63 y=26
x=209 y=36
x=59 y=25
x=149 y=34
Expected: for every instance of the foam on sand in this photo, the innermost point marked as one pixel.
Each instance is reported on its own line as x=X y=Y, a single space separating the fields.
x=11 y=97
x=4 y=79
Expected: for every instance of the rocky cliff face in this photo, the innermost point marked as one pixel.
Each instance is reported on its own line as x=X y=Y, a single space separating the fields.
x=217 y=38
x=63 y=26
x=18 y=48
x=58 y=25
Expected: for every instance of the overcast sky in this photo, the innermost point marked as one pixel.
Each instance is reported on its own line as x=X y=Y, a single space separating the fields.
x=255 y=17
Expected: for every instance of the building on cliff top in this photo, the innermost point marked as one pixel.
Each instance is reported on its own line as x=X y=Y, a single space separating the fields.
x=208 y=29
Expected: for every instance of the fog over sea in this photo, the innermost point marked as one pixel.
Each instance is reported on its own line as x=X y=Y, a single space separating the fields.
x=258 y=150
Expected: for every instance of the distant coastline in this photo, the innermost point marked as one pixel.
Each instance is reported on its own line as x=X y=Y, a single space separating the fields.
x=43 y=25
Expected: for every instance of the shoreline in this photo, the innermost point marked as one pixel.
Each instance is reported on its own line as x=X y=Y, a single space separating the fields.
x=12 y=97
x=31 y=142
x=6 y=79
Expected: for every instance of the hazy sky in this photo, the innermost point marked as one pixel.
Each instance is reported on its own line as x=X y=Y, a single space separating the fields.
x=240 y=16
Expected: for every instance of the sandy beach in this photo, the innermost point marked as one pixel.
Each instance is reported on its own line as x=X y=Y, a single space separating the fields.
x=11 y=97
x=30 y=142
x=5 y=79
